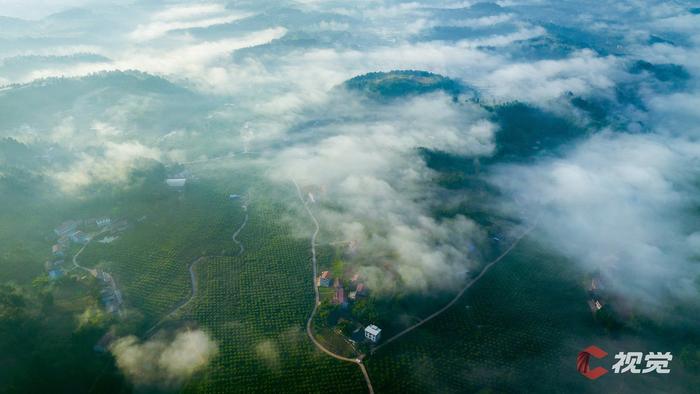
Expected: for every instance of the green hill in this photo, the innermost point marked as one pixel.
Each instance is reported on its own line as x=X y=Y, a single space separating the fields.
x=400 y=83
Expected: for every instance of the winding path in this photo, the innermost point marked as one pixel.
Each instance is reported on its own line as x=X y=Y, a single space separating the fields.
x=92 y=271
x=233 y=238
x=195 y=286
x=194 y=281
x=358 y=361
x=309 y=323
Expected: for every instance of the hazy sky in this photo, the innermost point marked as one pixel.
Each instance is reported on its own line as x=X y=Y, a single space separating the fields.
x=37 y=9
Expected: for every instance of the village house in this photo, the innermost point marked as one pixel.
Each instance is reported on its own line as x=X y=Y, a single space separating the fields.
x=64 y=241
x=57 y=250
x=55 y=273
x=360 y=291
x=373 y=333
x=596 y=291
x=325 y=279
x=102 y=346
x=176 y=183
x=50 y=265
x=120 y=225
x=112 y=299
x=339 y=296
x=80 y=237
x=103 y=222
x=66 y=228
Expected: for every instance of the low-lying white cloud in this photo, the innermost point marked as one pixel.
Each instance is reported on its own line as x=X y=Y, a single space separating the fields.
x=619 y=204
x=161 y=362
x=185 y=17
x=370 y=167
x=110 y=162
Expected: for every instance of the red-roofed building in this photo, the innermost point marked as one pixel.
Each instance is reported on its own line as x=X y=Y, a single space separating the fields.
x=325 y=279
x=360 y=291
x=339 y=296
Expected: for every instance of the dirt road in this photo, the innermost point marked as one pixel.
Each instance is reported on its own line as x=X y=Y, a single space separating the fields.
x=309 y=323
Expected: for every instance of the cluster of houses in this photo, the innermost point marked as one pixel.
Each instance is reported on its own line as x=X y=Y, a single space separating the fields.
x=54 y=266
x=359 y=290
x=72 y=230
x=66 y=232
x=339 y=298
x=110 y=295
x=178 y=181
x=596 y=288
x=69 y=231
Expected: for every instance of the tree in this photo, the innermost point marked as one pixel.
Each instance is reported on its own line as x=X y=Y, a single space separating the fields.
x=365 y=311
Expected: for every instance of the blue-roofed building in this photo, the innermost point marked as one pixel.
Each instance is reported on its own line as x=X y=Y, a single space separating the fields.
x=55 y=273
x=66 y=227
x=80 y=237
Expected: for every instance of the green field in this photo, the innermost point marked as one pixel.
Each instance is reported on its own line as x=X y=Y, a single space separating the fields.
x=519 y=329
x=256 y=306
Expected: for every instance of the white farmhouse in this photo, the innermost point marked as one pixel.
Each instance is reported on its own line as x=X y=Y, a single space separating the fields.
x=373 y=333
x=176 y=182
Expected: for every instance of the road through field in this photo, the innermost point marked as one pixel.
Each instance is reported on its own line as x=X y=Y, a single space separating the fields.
x=193 y=278
x=75 y=257
x=309 y=323
x=461 y=292
x=240 y=245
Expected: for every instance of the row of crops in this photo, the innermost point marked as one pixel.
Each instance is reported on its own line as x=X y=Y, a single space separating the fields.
x=256 y=305
x=150 y=260
x=253 y=305
x=516 y=330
